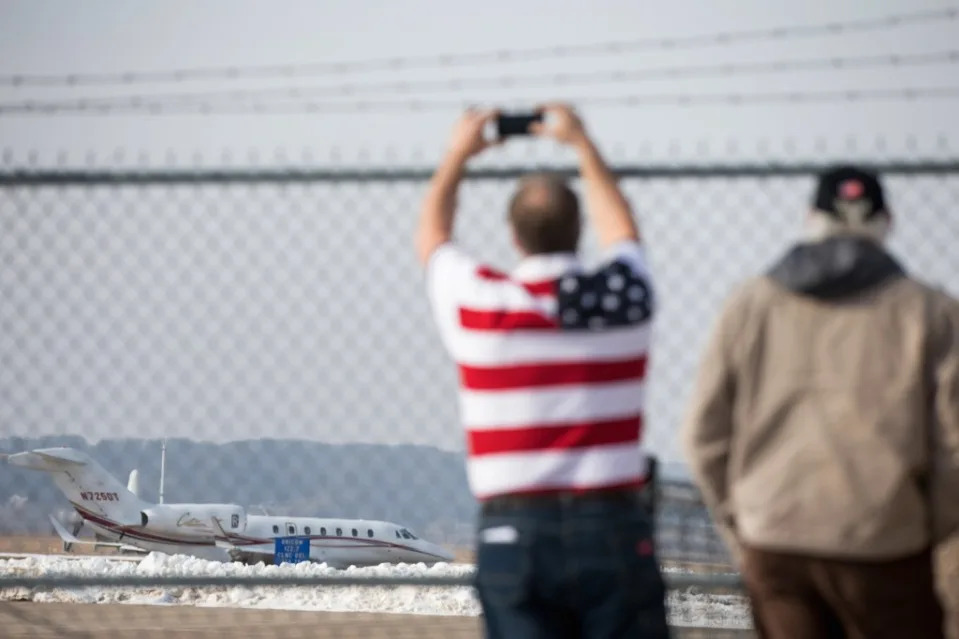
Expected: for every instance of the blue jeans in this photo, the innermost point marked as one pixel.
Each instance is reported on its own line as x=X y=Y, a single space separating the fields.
x=552 y=568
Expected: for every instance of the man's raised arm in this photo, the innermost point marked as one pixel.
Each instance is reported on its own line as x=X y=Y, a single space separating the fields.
x=439 y=205
x=607 y=206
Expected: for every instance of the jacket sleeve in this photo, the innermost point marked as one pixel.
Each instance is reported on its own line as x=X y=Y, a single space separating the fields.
x=944 y=467
x=944 y=479
x=708 y=425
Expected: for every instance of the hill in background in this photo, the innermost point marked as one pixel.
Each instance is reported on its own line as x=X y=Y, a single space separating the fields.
x=422 y=487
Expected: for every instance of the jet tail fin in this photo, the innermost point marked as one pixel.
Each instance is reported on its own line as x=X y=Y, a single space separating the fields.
x=48 y=459
x=88 y=486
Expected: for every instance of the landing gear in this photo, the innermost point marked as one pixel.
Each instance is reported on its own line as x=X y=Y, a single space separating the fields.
x=248 y=558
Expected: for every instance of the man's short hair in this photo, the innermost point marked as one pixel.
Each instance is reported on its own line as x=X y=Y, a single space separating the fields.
x=544 y=214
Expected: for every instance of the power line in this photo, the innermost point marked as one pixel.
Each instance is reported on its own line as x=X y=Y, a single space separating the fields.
x=456 y=84
x=722 y=38
x=636 y=100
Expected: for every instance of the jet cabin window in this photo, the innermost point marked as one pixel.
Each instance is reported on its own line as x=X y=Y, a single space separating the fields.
x=369 y=533
x=323 y=531
x=306 y=530
x=339 y=532
x=276 y=530
x=291 y=529
x=354 y=532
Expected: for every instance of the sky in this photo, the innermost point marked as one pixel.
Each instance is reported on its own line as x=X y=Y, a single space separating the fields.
x=297 y=311
x=40 y=36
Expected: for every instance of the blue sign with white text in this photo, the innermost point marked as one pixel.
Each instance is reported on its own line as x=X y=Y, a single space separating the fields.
x=291 y=550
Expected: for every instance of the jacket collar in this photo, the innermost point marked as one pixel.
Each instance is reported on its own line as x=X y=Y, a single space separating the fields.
x=840 y=266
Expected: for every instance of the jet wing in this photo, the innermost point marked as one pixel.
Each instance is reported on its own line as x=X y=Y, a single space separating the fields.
x=255 y=549
x=223 y=542
x=224 y=536
x=70 y=538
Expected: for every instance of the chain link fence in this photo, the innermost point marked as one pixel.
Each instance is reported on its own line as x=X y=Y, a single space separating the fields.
x=271 y=327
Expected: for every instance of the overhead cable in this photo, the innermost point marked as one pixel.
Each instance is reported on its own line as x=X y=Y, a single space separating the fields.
x=497 y=56
x=347 y=90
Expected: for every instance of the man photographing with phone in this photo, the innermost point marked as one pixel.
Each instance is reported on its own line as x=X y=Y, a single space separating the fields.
x=552 y=362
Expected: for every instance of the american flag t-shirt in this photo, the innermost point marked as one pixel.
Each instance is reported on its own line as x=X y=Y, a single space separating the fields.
x=552 y=362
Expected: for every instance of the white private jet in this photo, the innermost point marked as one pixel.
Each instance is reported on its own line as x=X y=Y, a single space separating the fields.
x=222 y=532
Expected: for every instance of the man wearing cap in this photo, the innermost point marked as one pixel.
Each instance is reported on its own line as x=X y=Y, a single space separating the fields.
x=823 y=428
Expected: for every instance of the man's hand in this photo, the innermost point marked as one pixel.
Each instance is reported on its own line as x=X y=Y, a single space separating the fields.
x=467 y=138
x=560 y=123
x=439 y=205
x=608 y=206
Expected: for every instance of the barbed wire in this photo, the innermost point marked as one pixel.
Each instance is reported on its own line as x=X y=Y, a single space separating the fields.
x=525 y=81
x=722 y=38
x=414 y=105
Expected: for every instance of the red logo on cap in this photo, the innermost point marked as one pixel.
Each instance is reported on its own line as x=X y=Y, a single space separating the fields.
x=851 y=189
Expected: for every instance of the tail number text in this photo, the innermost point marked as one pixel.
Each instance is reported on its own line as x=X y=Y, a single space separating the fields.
x=88 y=496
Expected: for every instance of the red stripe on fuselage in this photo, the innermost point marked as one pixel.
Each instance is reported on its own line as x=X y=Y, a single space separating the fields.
x=137 y=533
x=236 y=540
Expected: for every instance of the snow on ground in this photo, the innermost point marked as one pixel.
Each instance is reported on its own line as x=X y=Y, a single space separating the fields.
x=689 y=608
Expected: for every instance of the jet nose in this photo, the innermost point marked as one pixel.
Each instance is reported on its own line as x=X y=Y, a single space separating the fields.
x=437 y=551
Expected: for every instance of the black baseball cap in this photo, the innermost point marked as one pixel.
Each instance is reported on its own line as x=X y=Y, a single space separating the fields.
x=842 y=187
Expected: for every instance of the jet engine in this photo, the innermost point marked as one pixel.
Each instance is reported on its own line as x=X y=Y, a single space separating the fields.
x=194 y=518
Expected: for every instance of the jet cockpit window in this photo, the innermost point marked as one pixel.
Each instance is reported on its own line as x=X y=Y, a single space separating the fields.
x=407 y=534
x=398 y=535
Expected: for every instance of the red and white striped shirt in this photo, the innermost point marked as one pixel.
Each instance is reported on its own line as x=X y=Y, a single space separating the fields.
x=552 y=363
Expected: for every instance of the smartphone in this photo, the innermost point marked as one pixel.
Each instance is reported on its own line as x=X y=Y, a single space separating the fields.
x=509 y=124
